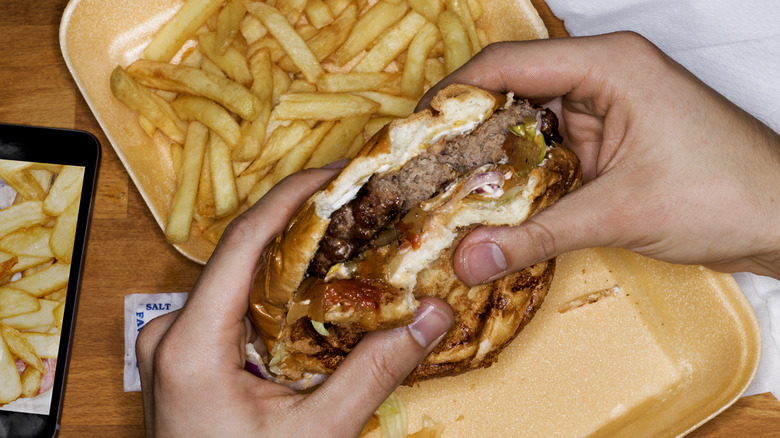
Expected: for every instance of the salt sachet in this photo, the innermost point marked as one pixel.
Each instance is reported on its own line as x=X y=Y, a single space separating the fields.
x=139 y=310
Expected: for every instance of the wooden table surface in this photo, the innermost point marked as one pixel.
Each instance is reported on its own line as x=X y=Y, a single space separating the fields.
x=127 y=252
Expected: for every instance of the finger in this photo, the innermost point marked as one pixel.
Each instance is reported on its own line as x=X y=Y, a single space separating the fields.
x=580 y=219
x=543 y=69
x=222 y=292
x=145 y=346
x=378 y=364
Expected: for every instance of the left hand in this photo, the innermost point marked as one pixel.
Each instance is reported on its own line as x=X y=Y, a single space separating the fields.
x=191 y=361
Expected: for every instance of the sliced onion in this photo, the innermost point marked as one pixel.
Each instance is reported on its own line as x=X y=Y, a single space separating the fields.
x=254 y=364
x=392 y=417
x=483 y=179
x=487 y=182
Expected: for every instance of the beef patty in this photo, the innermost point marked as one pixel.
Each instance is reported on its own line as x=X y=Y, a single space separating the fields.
x=389 y=196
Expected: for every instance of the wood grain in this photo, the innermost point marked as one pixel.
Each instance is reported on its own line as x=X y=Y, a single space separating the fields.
x=127 y=252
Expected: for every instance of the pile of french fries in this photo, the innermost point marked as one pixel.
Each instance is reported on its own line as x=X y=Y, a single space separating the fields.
x=250 y=92
x=37 y=234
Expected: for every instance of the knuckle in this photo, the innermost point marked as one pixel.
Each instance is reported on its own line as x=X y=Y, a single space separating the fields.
x=382 y=372
x=496 y=50
x=635 y=43
x=542 y=241
x=237 y=231
x=149 y=337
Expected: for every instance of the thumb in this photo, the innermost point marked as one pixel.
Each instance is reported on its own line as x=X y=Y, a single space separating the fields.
x=379 y=363
x=579 y=220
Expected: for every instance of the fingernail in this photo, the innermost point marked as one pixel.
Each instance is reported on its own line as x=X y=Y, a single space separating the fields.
x=338 y=164
x=483 y=262
x=429 y=325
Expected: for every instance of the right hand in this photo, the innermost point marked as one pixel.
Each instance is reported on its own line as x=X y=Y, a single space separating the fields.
x=671 y=169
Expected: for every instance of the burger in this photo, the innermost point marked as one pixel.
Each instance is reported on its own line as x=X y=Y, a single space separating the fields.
x=359 y=253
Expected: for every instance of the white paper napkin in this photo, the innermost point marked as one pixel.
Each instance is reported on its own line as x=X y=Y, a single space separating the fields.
x=734 y=47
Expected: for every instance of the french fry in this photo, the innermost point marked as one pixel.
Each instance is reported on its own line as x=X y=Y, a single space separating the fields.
x=16 y=175
x=7 y=263
x=282 y=83
x=45 y=345
x=222 y=178
x=301 y=86
x=208 y=66
x=253 y=135
x=293 y=44
x=475 y=6
x=330 y=37
x=258 y=190
x=30 y=241
x=58 y=295
x=267 y=43
x=247 y=180
x=368 y=27
x=282 y=140
x=43 y=177
x=139 y=98
x=59 y=313
x=228 y=24
x=211 y=114
x=332 y=146
x=323 y=106
x=25 y=263
x=374 y=124
x=204 y=203
x=252 y=29
x=413 y=79
x=430 y=9
x=262 y=75
x=63 y=234
x=337 y=6
x=389 y=105
x=353 y=81
x=42 y=282
x=20 y=347
x=192 y=15
x=31 y=381
x=292 y=9
x=38 y=268
x=461 y=9
x=26 y=214
x=318 y=13
x=457 y=49
x=253 y=131
x=434 y=71
x=294 y=160
x=40 y=320
x=392 y=43
x=16 y=302
x=65 y=189
x=231 y=61
x=190 y=80
x=11 y=387
x=177 y=229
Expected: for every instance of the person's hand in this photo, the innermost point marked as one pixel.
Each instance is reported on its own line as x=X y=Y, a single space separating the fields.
x=671 y=169
x=191 y=362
